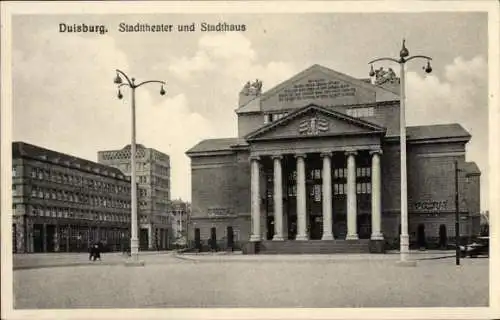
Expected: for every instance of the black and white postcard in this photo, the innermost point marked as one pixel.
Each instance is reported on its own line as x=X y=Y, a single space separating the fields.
x=230 y=160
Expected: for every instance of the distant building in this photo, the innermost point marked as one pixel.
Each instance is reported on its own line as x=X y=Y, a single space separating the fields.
x=153 y=178
x=64 y=203
x=179 y=213
x=317 y=158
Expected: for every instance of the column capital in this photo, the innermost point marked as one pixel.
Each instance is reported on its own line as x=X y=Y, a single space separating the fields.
x=376 y=151
x=277 y=156
x=251 y=158
x=326 y=154
x=300 y=155
x=351 y=152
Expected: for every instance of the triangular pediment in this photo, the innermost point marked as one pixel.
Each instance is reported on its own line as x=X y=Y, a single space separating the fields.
x=314 y=121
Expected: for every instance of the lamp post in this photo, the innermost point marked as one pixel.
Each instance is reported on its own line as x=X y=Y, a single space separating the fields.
x=403 y=58
x=130 y=82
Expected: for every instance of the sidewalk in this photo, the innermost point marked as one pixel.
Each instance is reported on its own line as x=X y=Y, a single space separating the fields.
x=65 y=259
x=238 y=256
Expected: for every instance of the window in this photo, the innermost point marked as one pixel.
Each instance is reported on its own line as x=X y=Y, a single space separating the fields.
x=340 y=188
x=340 y=172
x=360 y=112
x=271 y=117
x=14 y=190
x=363 y=188
x=14 y=171
x=33 y=172
x=363 y=172
x=317 y=193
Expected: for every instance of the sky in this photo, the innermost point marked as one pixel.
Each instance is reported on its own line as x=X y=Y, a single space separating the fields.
x=64 y=97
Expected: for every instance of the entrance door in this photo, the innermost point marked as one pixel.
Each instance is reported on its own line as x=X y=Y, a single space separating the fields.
x=37 y=238
x=316 y=227
x=443 y=238
x=421 y=236
x=292 y=227
x=49 y=238
x=213 y=238
x=270 y=227
x=143 y=239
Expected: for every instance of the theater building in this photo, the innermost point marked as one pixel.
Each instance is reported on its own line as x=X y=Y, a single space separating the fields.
x=316 y=168
x=63 y=203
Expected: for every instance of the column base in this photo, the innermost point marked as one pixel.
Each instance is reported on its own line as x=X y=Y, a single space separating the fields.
x=377 y=236
x=377 y=246
x=302 y=237
x=254 y=238
x=134 y=261
x=327 y=236
x=352 y=237
x=278 y=238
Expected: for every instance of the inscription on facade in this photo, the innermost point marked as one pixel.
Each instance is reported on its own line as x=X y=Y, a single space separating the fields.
x=430 y=205
x=219 y=212
x=317 y=89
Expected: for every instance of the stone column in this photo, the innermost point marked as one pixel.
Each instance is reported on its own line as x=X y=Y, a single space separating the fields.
x=278 y=199
x=56 y=238
x=327 y=197
x=30 y=240
x=255 y=198
x=301 y=198
x=376 y=198
x=45 y=239
x=352 y=230
x=68 y=235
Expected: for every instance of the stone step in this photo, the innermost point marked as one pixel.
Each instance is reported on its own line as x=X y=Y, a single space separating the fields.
x=315 y=246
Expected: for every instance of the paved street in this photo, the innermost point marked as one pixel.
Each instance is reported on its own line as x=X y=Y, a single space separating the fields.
x=252 y=281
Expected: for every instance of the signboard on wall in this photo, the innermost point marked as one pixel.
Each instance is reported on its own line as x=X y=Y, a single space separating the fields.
x=219 y=212
x=430 y=205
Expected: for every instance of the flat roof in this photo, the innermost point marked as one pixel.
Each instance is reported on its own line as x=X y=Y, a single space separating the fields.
x=25 y=150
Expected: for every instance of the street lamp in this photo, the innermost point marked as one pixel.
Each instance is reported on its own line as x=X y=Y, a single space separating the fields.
x=403 y=58
x=130 y=82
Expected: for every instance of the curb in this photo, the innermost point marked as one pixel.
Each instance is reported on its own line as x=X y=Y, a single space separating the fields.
x=65 y=265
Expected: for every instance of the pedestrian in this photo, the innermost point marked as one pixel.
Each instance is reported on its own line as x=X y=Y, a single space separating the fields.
x=95 y=252
x=91 y=252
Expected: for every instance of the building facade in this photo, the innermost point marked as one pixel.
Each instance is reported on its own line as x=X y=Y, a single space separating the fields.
x=179 y=215
x=317 y=158
x=153 y=178
x=63 y=203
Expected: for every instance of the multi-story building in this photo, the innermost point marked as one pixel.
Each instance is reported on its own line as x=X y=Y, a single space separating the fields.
x=64 y=203
x=153 y=178
x=317 y=158
x=179 y=214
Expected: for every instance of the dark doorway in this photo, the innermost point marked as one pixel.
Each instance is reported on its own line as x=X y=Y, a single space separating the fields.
x=143 y=239
x=230 y=237
x=421 y=236
x=50 y=237
x=292 y=227
x=197 y=239
x=443 y=237
x=315 y=227
x=339 y=225
x=213 y=238
x=37 y=238
x=270 y=227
